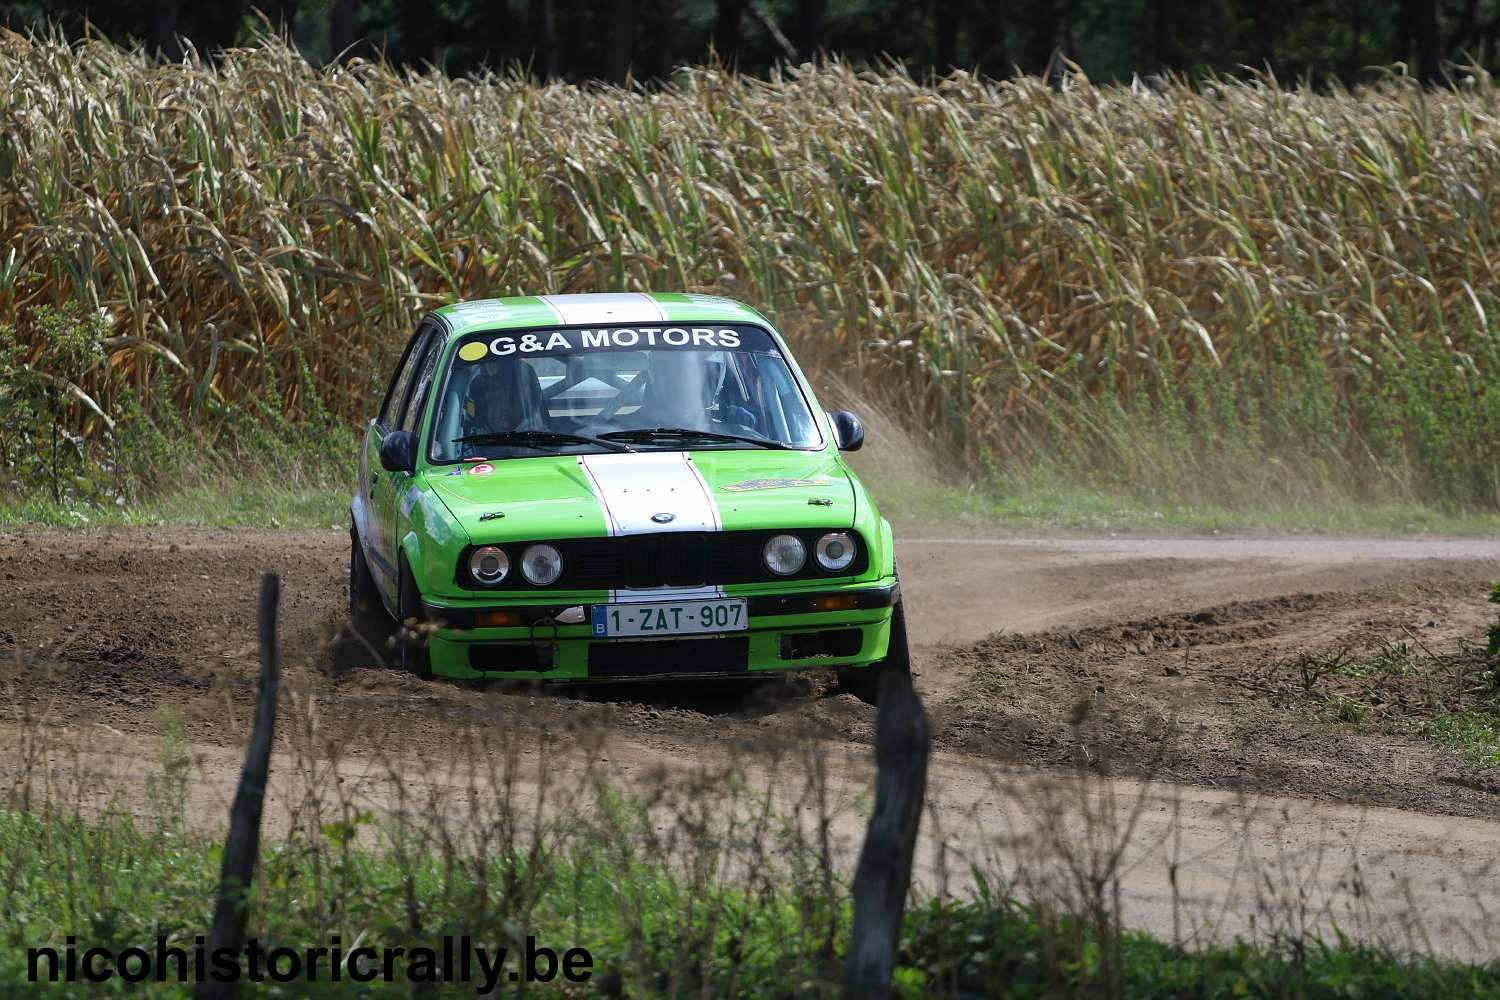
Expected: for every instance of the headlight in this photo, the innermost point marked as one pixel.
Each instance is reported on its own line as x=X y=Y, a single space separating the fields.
x=541 y=564
x=489 y=565
x=785 y=554
x=836 y=551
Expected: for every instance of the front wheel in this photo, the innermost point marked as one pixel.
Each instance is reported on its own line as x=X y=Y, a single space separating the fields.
x=864 y=682
x=413 y=655
x=367 y=614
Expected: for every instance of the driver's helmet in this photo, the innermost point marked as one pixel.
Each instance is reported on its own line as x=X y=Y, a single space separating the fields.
x=678 y=391
x=505 y=396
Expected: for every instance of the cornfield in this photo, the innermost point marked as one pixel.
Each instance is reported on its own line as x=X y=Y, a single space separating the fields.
x=994 y=255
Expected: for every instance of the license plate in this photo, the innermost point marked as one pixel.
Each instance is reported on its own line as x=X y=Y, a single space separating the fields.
x=670 y=618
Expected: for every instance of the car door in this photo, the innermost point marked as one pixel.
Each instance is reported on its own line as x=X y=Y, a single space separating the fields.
x=378 y=487
x=392 y=506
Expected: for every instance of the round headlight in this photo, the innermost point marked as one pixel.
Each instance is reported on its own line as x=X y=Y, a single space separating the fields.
x=785 y=554
x=541 y=564
x=489 y=565
x=836 y=551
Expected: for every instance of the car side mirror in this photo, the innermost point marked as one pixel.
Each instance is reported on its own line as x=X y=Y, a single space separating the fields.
x=398 y=452
x=847 y=430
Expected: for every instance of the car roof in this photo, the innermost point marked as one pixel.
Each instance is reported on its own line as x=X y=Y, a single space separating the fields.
x=597 y=309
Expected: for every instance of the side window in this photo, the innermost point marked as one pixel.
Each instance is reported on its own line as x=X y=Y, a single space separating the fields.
x=395 y=397
x=426 y=368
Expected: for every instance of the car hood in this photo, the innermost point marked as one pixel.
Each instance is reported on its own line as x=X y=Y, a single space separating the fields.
x=648 y=491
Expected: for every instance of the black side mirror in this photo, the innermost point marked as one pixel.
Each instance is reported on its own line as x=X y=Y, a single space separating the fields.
x=847 y=430
x=398 y=452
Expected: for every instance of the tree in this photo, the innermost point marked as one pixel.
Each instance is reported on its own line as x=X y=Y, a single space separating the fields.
x=341 y=37
x=544 y=29
x=727 y=28
x=946 y=20
x=282 y=14
x=166 y=29
x=1041 y=37
x=810 y=24
x=664 y=46
x=621 y=48
x=1166 y=54
x=990 y=38
x=1423 y=19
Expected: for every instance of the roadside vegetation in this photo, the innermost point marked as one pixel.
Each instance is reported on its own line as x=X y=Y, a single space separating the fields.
x=1476 y=732
x=1448 y=696
x=1233 y=297
x=707 y=890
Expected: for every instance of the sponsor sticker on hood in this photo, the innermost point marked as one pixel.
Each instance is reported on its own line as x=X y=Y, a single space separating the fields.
x=771 y=484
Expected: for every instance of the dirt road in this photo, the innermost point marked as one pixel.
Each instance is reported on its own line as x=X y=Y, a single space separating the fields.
x=1209 y=700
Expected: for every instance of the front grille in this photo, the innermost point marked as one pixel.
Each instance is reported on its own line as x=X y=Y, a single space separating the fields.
x=587 y=560
x=665 y=559
x=677 y=656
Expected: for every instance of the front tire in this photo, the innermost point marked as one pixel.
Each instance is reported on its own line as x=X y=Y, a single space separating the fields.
x=367 y=614
x=413 y=655
x=864 y=682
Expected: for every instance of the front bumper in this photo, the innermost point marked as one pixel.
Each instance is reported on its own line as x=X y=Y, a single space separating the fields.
x=843 y=627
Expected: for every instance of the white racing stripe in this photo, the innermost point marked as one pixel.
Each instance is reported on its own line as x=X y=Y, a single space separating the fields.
x=632 y=488
x=605 y=308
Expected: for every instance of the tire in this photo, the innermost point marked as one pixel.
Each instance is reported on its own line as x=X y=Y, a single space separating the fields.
x=367 y=612
x=412 y=654
x=864 y=682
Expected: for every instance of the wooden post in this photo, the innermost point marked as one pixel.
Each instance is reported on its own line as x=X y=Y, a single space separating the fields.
x=242 y=846
x=884 y=873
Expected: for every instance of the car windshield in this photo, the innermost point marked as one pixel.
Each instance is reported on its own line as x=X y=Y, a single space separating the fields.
x=524 y=393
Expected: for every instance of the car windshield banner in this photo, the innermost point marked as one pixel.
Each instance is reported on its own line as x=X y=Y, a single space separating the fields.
x=540 y=343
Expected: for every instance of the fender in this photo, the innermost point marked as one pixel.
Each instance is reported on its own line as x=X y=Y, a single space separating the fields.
x=431 y=530
x=887 y=548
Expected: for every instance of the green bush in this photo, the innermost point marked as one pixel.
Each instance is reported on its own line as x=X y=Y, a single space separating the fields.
x=40 y=390
x=1493 y=648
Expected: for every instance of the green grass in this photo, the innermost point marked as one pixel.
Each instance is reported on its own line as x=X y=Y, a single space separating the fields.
x=256 y=500
x=255 y=473
x=1474 y=734
x=653 y=929
x=250 y=502
x=1393 y=659
x=1349 y=711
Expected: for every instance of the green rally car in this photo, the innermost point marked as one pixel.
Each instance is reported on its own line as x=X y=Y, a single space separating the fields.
x=618 y=486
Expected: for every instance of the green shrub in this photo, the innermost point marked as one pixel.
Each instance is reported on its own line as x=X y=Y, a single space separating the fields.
x=1493 y=648
x=42 y=372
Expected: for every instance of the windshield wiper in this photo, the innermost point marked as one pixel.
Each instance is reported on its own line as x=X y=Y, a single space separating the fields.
x=540 y=440
x=652 y=433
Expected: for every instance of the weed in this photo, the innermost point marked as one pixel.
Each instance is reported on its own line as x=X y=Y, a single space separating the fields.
x=1492 y=648
x=166 y=787
x=1474 y=734
x=1391 y=659
x=1341 y=708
